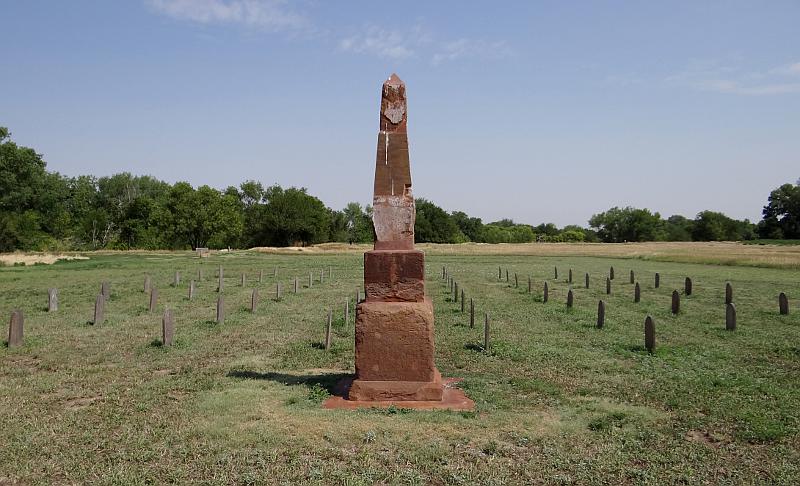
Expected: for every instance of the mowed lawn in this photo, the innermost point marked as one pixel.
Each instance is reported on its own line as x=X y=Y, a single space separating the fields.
x=558 y=401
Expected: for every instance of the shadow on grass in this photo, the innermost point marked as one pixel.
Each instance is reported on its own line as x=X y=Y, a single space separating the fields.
x=327 y=381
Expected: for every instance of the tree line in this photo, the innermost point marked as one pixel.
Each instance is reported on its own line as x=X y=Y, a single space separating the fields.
x=43 y=210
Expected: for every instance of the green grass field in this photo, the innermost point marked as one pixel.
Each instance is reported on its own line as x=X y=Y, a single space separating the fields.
x=558 y=401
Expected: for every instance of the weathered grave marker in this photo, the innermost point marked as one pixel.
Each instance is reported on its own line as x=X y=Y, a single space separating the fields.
x=328 y=325
x=601 y=314
x=220 y=309
x=295 y=285
x=658 y=280
x=730 y=316
x=199 y=274
x=310 y=279
x=529 y=284
x=570 y=298
x=275 y=272
x=278 y=291
x=455 y=292
x=52 y=300
x=611 y=273
x=499 y=273
x=15 y=329
x=254 y=301
x=346 y=310
x=471 y=312
x=516 y=280
x=191 y=290
x=728 y=293
x=506 y=275
x=783 y=304
x=633 y=277
x=153 y=299
x=687 y=286
x=608 y=285
x=261 y=276
x=637 y=293
x=555 y=273
x=546 y=294
x=105 y=290
x=221 y=284
x=586 y=278
x=99 y=310
x=167 y=328
x=569 y=276
x=330 y=274
x=146 y=284
x=244 y=280
x=649 y=335
x=676 y=302
x=177 y=280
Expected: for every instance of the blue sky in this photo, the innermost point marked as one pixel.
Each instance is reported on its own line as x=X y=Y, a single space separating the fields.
x=541 y=111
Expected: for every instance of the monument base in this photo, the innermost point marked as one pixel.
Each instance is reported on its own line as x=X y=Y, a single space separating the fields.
x=397 y=390
x=452 y=398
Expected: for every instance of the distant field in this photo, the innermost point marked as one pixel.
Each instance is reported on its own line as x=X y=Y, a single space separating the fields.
x=558 y=401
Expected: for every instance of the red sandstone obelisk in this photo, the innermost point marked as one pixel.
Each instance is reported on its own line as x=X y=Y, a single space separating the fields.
x=394 y=324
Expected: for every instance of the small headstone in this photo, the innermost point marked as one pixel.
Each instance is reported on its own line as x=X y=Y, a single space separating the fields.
x=611 y=273
x=278 y=291
x=310 y=279
x=586 y=278
x=601 y=314
x=486 y=332
x=346 y=310
x=167 y=328
x=444 y=272
x=254 y=300
x=516 y=281
x=608 y=285
x=570 y=298
x=244 y=280
x=261 y=276
x=220 y=309
x=221 y=284
x=730 y=316
x=687 y=286
x=52 y=300
x=506 y=275
x=328 y=325
x=546 y=294
x=153 y=299
x=783 y=304
x=177 y=280
x=529 y=284
x=322 y=276
x=146 y=284
x=649 y=335
x=499 y=273
x=15 y=329
x=275 y=273
x=462 y=300
x=658 y=280
x=199 y=274
x=555 y=273
x=455 y=292
x=633 y=277
x=105 y=290
x=99 y=310
x=191 y=290
x=471 y=312
x=676 y=302
x=295 y=285
x=728 y=293
x=569 y=276
x=637 y=293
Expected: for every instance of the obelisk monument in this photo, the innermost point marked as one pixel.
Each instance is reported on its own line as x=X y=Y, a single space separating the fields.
x=394 y=324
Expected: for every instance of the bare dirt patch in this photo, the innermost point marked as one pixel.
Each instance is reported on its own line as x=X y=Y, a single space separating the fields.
x=11 y=259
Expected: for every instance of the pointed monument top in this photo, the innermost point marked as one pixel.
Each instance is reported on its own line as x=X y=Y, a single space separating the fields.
x=394 y=80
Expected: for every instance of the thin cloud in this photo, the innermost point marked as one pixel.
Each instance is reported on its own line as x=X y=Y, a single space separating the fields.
x=470 y=48
x=725 y=79
x=379 y=42
x=272 y=15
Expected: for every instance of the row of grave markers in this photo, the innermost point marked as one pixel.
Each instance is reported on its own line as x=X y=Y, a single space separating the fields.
x=454 y=289
x=16 y=323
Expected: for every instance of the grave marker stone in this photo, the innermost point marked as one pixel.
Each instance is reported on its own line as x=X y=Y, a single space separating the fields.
x=177 y=280
x=146 y=284
x=471 y=312
x=687 y=286
x=99 y=308
x=546 y=294
x=15 y=329
x=105 y=290
x=191 y=290
x=633 y=277
x=295 y=285
x=221 y=283
x=728 y=293
x=601 y=314
x=220 y=309
x=462 y=300
x=254 y=301
x=569 y=276
x=783 y=304
x=52 y=300
x=310 y=279
x=637 y=293
x=555 y=273
x=676 y=302
x=586 y=278
x=649 y=335
x=611 y=273
x=261 y=276
x=346 y=310
x=486 y=332
x=328 y=325
x=608 y=285
x=516 y=280
x=278 y=291
x=153 y=299
x=570 y=298
x=167 y=328
x=243 y=280
x=529 y=284
x=658 y=280
x=730 y=316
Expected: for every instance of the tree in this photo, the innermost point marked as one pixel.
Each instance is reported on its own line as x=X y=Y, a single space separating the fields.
x=715 y=226
x=434 y=225
x=290 y=217
x=627 y=224
x=472 y=228
x=781 y=215
x=358 y=223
